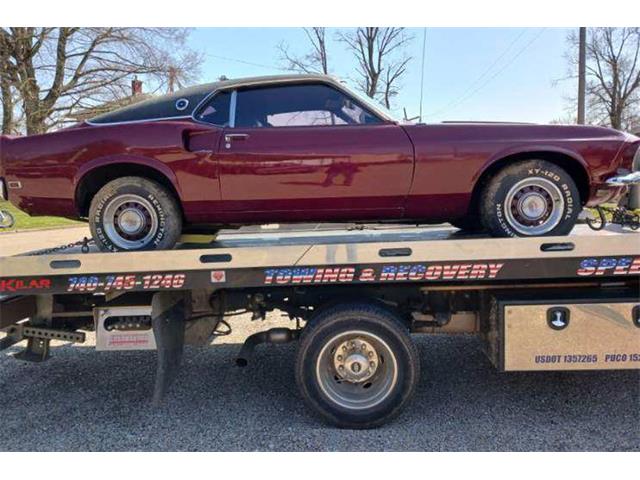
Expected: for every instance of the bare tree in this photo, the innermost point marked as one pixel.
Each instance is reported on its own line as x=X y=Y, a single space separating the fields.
x=58 y=71
x=613 y=75
x=393 y=72
x=316 y=61
x=179 y=71
x=381 y=59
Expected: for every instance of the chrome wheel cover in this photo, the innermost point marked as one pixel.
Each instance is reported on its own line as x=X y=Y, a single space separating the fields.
x=6 y=219
x=356 y=370
x=130 y=221
x=534 y=206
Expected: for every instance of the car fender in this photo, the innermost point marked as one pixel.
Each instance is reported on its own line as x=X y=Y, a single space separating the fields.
x=147 y=162
x=531 y=149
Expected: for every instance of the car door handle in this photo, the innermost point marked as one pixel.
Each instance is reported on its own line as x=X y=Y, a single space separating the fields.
x=230 y=137
x=234 y=137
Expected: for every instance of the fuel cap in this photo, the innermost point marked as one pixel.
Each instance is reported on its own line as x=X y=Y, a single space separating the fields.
x=635 y=315
x=558 y=318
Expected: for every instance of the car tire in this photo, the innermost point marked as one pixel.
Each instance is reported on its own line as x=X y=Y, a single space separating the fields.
x=375 y=334
x=530 y=198
x=133 y=214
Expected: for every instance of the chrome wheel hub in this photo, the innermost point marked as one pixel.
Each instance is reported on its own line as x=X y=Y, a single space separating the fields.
x=534 y=206
x=356 y=370
x=356 y=360
x=130 y=221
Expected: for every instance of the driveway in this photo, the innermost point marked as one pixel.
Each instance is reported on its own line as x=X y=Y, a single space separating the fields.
x=86 y=400
x=13 y=243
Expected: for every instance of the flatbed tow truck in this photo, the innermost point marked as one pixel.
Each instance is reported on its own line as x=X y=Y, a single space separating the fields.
x=353 y=296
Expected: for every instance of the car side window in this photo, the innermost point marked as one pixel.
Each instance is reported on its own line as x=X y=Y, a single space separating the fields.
x=298 y=106
x=216 y=111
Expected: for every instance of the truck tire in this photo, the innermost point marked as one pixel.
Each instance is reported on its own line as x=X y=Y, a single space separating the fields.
x=134 y=213
x=357 y=366
x=530 y=198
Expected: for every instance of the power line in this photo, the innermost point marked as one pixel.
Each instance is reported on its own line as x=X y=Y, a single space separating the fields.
x=252 y=64
x=464 y=97
x=485 y=72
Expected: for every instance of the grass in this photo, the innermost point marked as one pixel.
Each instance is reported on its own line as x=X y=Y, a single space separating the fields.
x=594 y=213
x=26 y=222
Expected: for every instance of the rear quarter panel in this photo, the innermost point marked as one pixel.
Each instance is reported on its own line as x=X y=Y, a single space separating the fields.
x=451 y=158
x=50 y=166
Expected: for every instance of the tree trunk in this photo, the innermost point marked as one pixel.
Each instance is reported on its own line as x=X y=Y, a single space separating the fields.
x=33 y=111
x=616 y=122
x=7 y=107
x=5 y=92
x=7 y=111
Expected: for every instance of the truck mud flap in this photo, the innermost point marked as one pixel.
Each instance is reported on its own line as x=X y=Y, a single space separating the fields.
x=168 y=314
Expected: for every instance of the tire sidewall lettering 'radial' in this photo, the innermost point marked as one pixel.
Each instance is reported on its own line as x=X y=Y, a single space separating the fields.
x=538 y=179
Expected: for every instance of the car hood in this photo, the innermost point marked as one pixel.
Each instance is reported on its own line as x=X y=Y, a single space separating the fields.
x=514 y=131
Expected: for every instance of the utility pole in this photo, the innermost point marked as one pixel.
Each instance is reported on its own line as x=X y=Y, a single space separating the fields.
x=582 y=70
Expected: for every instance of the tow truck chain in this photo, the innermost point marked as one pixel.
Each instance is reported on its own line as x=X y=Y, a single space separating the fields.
x=84 y=243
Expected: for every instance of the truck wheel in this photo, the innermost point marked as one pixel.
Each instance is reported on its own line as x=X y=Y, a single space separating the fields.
x=357 y=366
x=134 y=213
x=530 y=198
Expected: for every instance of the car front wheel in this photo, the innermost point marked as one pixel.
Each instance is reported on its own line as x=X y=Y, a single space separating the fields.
x=530 y=198
x=134 y=213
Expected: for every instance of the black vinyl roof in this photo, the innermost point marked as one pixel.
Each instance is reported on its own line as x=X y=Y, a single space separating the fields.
x=182 y=103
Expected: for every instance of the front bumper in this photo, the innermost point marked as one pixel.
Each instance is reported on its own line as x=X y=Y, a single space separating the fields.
x=632 y=181
x=632 y=178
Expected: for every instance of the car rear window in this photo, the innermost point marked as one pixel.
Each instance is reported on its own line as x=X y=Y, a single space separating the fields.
x=216 y=111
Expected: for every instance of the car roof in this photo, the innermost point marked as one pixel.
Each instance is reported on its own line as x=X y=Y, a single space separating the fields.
x=170 y=106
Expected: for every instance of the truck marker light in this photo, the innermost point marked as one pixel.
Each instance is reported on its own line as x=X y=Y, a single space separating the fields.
x=218 y=276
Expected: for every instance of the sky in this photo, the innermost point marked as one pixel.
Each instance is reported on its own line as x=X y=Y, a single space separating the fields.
x=492 y=74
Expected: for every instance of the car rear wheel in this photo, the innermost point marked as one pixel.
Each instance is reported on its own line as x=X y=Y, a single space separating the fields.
x=134 y=213
x=530 y=198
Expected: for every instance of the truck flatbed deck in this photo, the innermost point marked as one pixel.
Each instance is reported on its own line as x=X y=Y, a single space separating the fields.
x=539 y=303
x=330 y=257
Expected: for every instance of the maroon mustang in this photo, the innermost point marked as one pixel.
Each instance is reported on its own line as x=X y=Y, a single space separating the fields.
x=304 y=148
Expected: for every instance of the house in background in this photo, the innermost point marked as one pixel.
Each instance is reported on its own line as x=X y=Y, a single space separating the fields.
x=136 y=96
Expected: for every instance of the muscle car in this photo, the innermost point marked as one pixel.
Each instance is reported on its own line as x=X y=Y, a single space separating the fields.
x=300 y=148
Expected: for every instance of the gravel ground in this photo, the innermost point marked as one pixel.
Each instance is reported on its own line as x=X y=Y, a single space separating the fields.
x=86 y=400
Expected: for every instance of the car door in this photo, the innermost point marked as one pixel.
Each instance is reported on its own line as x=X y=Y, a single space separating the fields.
x=307 y=151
